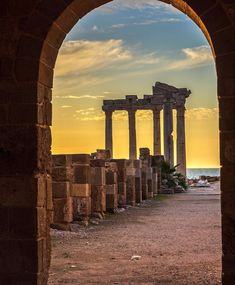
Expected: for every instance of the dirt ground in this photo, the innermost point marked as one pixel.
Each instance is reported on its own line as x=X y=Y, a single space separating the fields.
x=176 y=238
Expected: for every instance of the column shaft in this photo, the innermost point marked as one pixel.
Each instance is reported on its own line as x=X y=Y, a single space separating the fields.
x=168 y=133
x=132 y=134
x=181 y=150
x=156 y=132
x=109 y=132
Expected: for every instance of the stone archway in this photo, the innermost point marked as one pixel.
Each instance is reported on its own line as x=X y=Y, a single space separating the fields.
x=32 y=32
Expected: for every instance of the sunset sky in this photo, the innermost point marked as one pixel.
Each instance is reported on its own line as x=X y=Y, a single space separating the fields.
x=123 y=48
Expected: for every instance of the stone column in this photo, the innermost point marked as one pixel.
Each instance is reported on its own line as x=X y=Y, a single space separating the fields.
x=168 y=132
x=181 y=151
x=157 y=130
x=109 y=131
x=132 y=134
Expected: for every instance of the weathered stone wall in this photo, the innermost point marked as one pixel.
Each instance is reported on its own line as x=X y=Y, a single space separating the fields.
x=98 y=189
x=83 y=188
x=61 y=190
x=121 y=181
x=111 y=186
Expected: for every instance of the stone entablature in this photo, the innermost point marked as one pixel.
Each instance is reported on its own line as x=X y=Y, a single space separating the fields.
x=162 y=93
x=164 y=97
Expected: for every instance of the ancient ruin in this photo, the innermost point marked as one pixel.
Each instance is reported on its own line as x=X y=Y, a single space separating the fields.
x=86 y=186
x=166 y=98
x=31 y=35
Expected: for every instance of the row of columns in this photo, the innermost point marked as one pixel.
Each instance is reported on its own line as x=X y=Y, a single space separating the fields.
x=168 y=133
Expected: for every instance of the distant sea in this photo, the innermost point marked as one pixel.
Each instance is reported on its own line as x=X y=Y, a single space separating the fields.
x=196 y=172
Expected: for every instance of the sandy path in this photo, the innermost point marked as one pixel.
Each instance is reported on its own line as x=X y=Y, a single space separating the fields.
x=177 y=238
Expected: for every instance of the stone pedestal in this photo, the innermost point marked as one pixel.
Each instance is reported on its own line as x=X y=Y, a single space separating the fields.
x=130 y=183
x=62 y=175
x=121 y=181
x=138 y=181
x=98 y=190
x=146 y=163
x=111 y=187
x=81 y=187
x=150 y=182
x=156 y=166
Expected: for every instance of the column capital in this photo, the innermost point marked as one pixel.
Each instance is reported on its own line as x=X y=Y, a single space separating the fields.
x=108 y=113
x=157 y=108
x=131 y=113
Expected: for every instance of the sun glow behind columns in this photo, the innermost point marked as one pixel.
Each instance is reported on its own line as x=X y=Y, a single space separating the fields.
x=122 y=48
x=144 y=129
x=120 y=134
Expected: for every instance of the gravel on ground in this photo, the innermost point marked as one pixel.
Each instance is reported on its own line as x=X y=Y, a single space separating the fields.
x=174 y=239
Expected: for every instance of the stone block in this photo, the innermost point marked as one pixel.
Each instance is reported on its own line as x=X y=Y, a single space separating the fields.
x=61 y=173
x=121 y=163
x=61 y=189
x=23 y=191
x=155 y=183
x=103 y=154
x=156 y=160
x=149 y=173
x=137 y=163
x=83 y=159
x=138 y=190
x=121 y=175
x=111 y=166
x=97 y=163
x=19 y=258
x=145 y=164
x=111 y=198
x=80 y=190
x=98 y=176
x=130 y=190
x=129 y=163
x=34 y=150
x=61 y=160
x=81 y=174
x=11 y=225
x=144 y=151
x=49 y=200
x=63 y=210
x=50 y=217
x=130 y=171
x=98 y=199
x=81 y=208
x=111 y=177
x=150 y=188
x=122 y=194
x=144 y=191
x=138 y=172
x=144 y=175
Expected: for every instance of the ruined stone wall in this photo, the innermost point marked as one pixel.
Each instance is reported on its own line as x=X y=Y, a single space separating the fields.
x=83 y=187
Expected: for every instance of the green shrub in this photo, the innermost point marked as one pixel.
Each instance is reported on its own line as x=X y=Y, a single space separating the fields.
x=170 y=177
